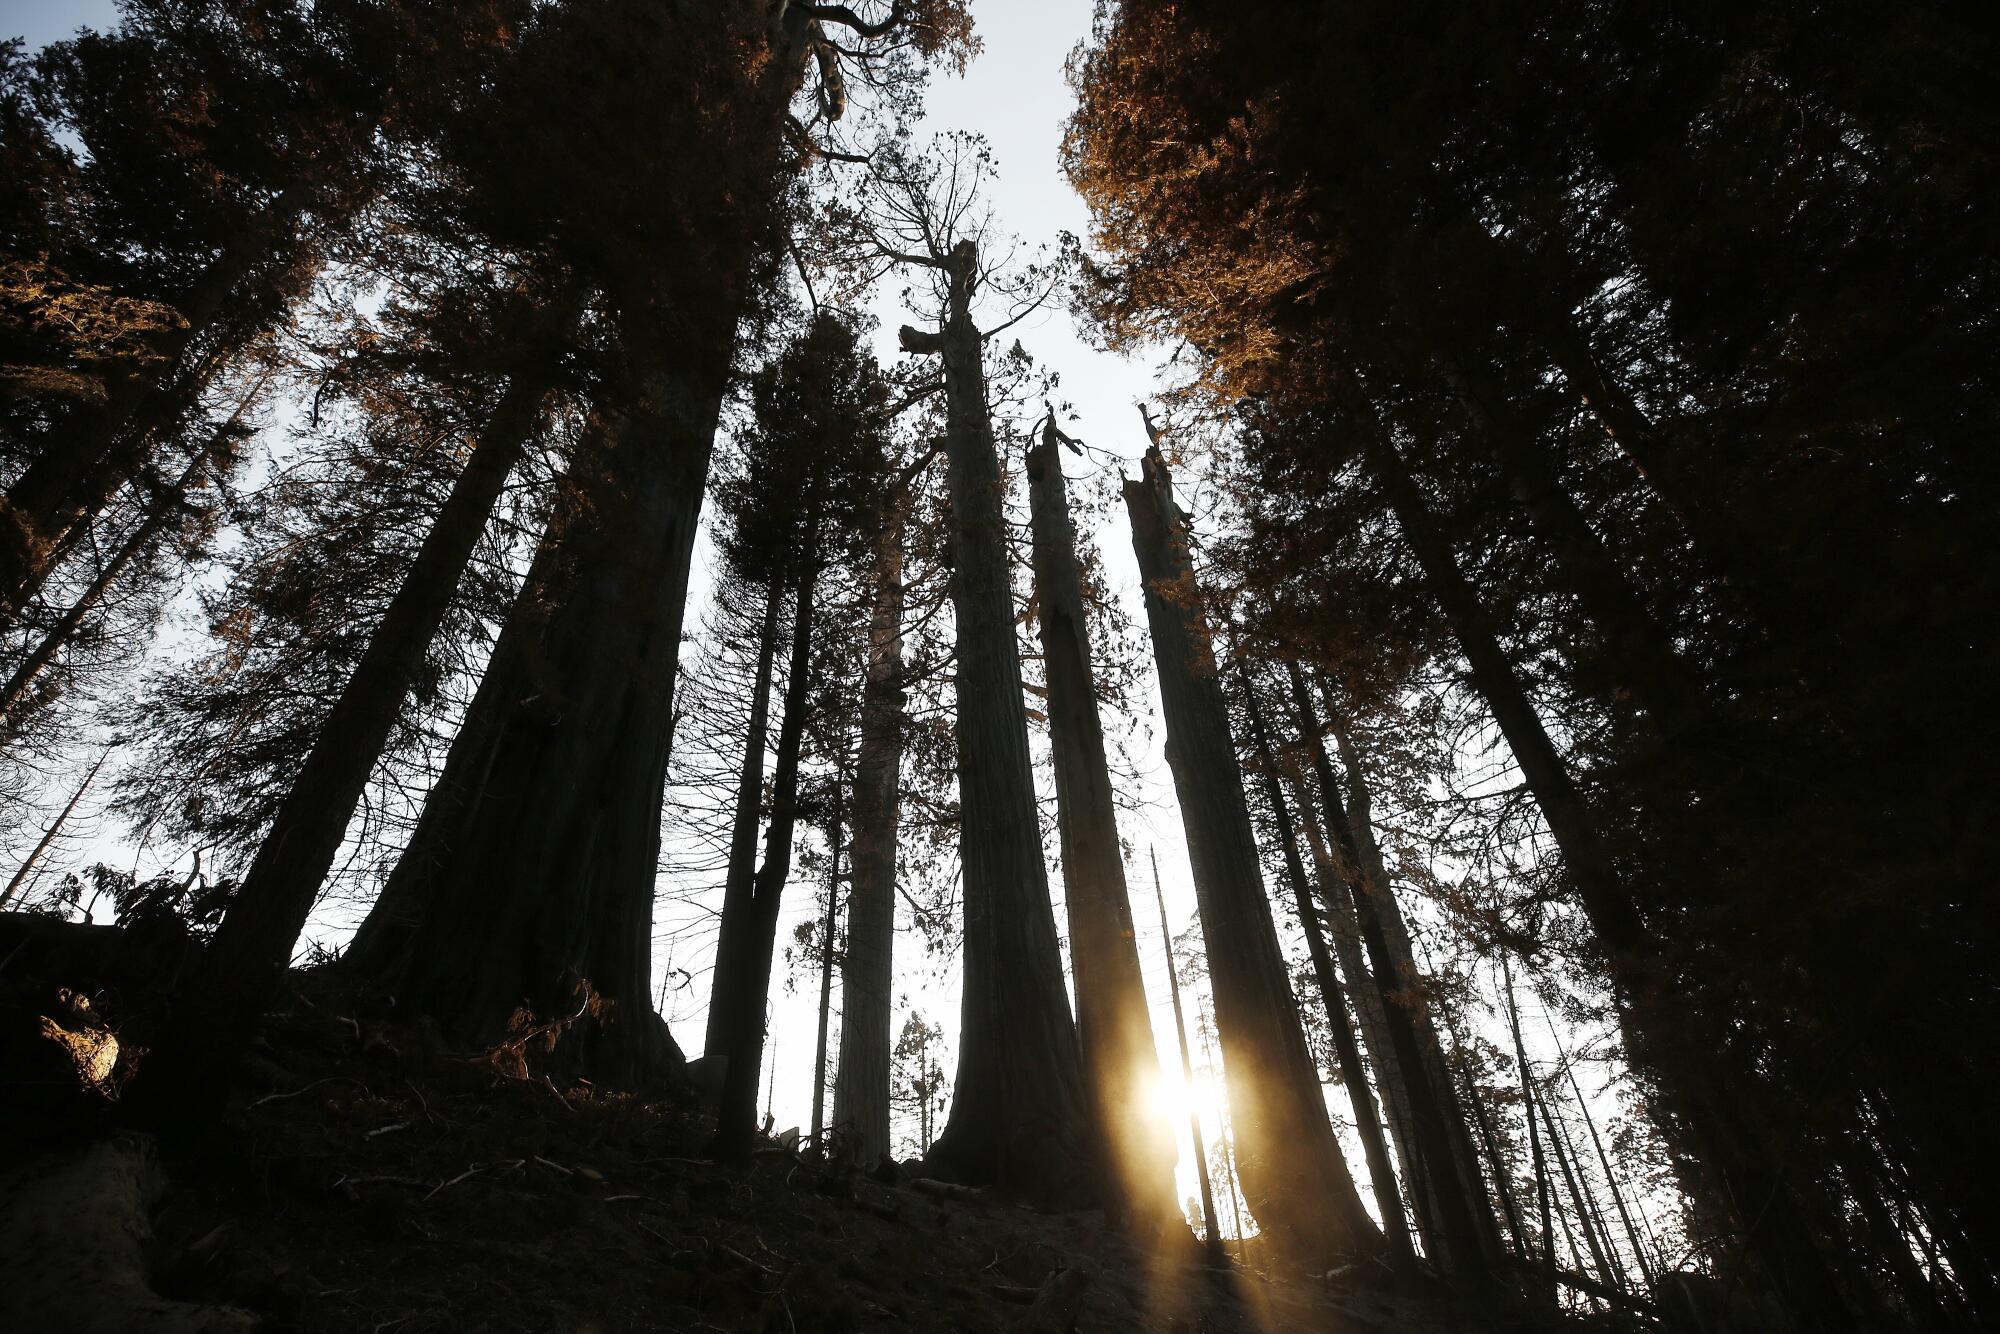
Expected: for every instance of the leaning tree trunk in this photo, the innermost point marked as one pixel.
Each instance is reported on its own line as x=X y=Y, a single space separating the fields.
x=736 y=1117
x=1701 y=1095
x=1019 y=1114
x=1114 y=1026
x=861 y=1085
x=1338 y=900
x=1340 y=1021
x=1374 y=880
x=1459 y=1212
x=1290 y=1163
x=742 y=866
x=243 y=965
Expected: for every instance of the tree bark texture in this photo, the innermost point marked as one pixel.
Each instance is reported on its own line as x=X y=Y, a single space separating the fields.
x=861 y=1085
x=1296 y=1181
x=1114 y=1026
x=1019 y=1114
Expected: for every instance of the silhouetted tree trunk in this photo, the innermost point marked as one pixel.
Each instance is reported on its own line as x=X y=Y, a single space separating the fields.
x=1019 y=1112
x=1584 y=1214
x=1534 y=1134
x=1292 y=1170
x=548 y=864
x=1604 y=1161
x=736 y=1118
x=1381 y=1175
x=1114 y=1028
x=1458 y=1207
x=1783 y=1235
x=861 y=1086
x=742 y=867
x=827 y=928
x=1396 y=935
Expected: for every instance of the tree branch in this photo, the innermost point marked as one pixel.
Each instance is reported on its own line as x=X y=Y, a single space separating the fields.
x=847 y=18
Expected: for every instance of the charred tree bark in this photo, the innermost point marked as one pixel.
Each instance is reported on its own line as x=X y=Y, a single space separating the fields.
x=1381 y=1175
x=742 y=868
x=1114 y=1028
x=861 y=1086
x=736 y=1118
x=546 y=881
x=1292 y=1170
x=1019 y=1114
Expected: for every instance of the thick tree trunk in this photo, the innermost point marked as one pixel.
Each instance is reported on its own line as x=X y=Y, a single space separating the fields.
x=1291 y=1166
x=861 y=1086
x=736 y=1118
x=1784 y=1236
x=1459 y=1210
x=1020 y=1116
x=742 y=868
x=1114 y=1027
x=550 y=854
x=1381 y=1175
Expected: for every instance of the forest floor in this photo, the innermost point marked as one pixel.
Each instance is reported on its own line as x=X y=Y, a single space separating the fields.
x=362 y=1179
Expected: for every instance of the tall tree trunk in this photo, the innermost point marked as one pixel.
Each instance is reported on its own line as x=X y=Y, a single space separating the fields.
x=1459 y=1208
x=1381 y=1175
x=736 y=1118
x=1337 y=899
x=1396 y=935
x=549 y=860
x=828 y=926
x=861 y=1086
x=1298 y=1184
x=1020 y=1116
x=1212 y=1235
x=742 y=869
x=1534 y=1133
x=242 y=969
x=544 y=901
x=1784 y=1235
x=1114 y=1027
